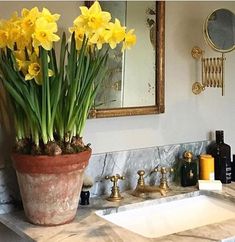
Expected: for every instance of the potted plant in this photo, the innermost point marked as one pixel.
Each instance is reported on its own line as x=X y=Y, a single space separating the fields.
x=51 y=100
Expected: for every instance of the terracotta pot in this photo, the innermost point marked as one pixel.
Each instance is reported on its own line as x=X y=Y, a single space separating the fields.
x=50 y=186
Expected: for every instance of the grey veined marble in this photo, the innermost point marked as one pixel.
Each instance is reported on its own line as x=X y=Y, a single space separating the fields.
x=127 y=163
x=9 y=191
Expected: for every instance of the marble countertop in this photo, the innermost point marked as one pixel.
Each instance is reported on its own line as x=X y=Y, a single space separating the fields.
x=87 y=226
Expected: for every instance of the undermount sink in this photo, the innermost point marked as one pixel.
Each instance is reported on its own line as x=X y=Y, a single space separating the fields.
x=152 y=219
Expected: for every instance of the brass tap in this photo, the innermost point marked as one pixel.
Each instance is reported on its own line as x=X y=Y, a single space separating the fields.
x=115 y=192
x=163 y=181
x=143 y=190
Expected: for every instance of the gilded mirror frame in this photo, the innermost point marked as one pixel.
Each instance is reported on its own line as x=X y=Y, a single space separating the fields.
x=159 y=106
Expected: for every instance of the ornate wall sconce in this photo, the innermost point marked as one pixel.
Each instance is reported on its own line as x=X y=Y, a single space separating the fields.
x=212 y=71
x=219 y=35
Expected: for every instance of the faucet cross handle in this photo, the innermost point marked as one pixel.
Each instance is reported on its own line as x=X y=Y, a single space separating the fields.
x=163 y=181
x=115 y=178
x=115 y=192
x=163 y=169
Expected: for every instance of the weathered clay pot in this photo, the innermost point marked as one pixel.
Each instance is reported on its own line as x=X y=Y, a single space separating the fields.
x=50 y=186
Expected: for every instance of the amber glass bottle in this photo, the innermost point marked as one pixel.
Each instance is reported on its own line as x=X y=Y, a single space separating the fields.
x=222 y=154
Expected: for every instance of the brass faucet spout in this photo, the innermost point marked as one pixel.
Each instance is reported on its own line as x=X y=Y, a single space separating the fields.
x=143 y=190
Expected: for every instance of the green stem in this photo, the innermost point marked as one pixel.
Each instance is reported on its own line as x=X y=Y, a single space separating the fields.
x=36 y=137
x=44 y=67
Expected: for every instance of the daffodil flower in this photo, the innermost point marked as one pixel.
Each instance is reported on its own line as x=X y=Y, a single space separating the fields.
x=130 y=40
x=92 y=19
x=29 y=18
x=79 y=35
x=22 y=63
x=44 y=34
x=98 y=39
x=3 y=38
x=33 y=72
x=116 y=34
x=48 y=16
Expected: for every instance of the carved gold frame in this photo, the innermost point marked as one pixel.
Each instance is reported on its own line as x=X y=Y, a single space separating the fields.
x=159 y=106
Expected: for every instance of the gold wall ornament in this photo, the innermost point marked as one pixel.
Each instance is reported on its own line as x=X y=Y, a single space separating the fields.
x=196 y=52
x=197 y=88
x=212 y=71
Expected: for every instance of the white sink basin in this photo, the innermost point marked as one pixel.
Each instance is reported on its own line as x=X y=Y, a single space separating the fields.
x=152 y=220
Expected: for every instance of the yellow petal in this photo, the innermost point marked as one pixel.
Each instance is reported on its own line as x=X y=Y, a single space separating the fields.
x=28 y=77
x=95 y=7
x=24 y=12
x=84 y=10
x=99 y=46
x=50 y=17
x=112 y=45
x=47 y=45
x=38 y=80
x=55 y=37
x=50 y=73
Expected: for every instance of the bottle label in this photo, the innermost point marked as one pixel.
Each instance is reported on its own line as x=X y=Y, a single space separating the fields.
x=228 y=169
x=228 y=173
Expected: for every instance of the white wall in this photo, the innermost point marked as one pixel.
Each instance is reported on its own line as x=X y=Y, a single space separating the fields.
x=187 y=117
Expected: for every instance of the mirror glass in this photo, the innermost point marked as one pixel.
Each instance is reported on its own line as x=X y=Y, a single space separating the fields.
x=220 y=30
x=130 y=81
x=135 y=83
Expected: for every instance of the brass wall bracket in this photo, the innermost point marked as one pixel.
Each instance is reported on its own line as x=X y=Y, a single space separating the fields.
x=115 y=192
x=212 y=71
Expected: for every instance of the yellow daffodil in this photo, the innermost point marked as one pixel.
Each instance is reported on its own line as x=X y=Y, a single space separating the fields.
x=9 y=33
x=29 y=18
x=116 y=34
x=33 y=72
x=98 y=39
x=22 y=63
x=92 y=19
x=44 y=34
x=3 y=34
x=130 y=40
x=14 y=34
x=34 y=69
x=48 y=16
x=79 y=35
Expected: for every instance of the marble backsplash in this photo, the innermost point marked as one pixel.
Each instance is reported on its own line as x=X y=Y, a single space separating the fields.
x=125 y=163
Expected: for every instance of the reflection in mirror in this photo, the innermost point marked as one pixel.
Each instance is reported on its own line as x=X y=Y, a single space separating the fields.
x=134 y=84
x=220 y=30
x=130 y=80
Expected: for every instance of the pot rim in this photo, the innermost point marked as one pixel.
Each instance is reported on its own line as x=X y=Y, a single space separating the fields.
x=51 y=164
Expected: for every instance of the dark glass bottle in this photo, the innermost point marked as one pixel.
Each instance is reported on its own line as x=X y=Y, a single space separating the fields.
x=189 y=174
x=233 y=168
x=222 y=154
x=84 y=198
